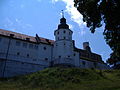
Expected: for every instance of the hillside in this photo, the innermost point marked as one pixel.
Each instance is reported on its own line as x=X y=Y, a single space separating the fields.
x=65 y=79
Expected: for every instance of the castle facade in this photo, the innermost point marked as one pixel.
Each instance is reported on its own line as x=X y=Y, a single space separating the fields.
x=22 y=54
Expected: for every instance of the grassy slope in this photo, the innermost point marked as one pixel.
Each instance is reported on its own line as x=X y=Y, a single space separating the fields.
x=65 y=79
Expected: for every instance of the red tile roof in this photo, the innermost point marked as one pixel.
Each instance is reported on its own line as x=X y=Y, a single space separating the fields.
x=25 y=37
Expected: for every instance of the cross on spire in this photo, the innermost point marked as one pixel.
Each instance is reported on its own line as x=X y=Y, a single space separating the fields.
x=62 y=13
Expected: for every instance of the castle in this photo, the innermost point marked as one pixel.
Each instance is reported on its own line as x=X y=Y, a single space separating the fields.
x=22 y=54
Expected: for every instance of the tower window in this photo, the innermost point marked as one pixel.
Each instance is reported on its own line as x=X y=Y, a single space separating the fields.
x=64 y=44
x=57 y=32
x=64 y=31
x=64 y=38
x=69 y=33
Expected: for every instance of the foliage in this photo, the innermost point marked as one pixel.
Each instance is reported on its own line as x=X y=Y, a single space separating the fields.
x=64 y=79
x=95 y=12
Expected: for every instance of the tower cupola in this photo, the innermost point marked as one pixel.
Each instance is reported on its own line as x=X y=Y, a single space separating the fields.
x=63 y=24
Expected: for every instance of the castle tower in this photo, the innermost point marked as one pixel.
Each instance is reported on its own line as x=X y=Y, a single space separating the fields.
x=63 y=46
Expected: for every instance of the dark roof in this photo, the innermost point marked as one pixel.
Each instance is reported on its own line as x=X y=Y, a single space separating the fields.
x=25 y=37
x=63 y=24
x=84 y=54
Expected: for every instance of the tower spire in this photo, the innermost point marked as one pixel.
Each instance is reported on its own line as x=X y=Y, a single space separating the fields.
x=62 y=13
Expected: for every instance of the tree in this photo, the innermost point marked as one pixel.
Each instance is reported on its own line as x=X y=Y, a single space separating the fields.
x=108 y=11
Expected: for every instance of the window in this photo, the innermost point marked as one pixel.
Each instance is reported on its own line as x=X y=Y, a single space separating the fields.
x=22 y=62
x=25 y=45
x=59 y=56
x=30 y=45
x=18 y=53
x=64 y=38
x=36 y=46
x=69 y=33
x=68 y=56
x=27 y=55
x=18 y=43
x=57 y=32
x=74 y=54
x=64 y=44
x=58 y=38
x=44 y=48
x=64 y=31
x=46 y=59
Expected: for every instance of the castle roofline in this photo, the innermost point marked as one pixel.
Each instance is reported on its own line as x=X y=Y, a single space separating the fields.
x=24 y=37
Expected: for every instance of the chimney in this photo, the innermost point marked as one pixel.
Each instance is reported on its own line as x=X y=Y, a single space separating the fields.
x=86 y=46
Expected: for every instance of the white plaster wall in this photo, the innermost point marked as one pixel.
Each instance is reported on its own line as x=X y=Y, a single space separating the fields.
x=63 y=48
x=61 y=35
x=22 y=64
x=76 y=59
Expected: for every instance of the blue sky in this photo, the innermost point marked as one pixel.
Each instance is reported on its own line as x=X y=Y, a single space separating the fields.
x=42 y=17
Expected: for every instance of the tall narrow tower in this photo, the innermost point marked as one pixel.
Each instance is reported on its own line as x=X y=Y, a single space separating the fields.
x=63 y=46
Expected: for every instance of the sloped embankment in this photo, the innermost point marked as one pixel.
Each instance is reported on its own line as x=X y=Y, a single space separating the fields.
x=65 y=78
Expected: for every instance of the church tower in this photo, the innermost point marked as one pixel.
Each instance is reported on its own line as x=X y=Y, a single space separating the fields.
x=63 y=46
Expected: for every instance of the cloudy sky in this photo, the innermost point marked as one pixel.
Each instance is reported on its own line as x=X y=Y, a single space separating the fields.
x=42 y=17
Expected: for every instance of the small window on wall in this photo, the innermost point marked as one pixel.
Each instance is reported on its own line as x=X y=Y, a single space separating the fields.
x=57 y=32
x=44 y=48
x=64 y=38
x=59 y=56
x=46 y=59
x=25 y=45
x=36 y=47
x=83 y=62
x=18 y=53
x=68 y=56
x=64 y=31
x=74 y=54
x=30 y=45
x=27 y=55
x=18 y=43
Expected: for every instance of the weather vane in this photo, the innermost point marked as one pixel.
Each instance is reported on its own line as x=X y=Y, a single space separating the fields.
x=62 y=13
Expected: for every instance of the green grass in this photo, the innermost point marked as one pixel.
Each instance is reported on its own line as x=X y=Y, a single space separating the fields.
x=65 y=79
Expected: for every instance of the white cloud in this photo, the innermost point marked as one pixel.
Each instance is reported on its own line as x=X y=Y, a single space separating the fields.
x=75 y=15
x=71 y=26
